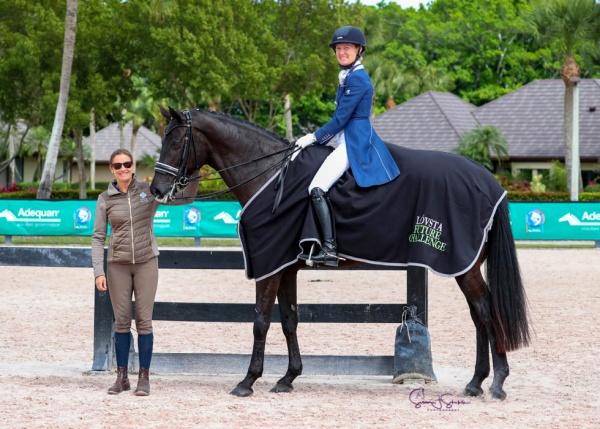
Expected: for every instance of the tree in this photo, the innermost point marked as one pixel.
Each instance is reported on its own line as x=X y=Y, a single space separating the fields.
x=295 y=38
x=571 y=26
x=101 y=74
x=479 y=49
x=29 y=35
x=45 y=188
x=138 y=111
x=387 y=79
x=36 y=143
x=479 y=143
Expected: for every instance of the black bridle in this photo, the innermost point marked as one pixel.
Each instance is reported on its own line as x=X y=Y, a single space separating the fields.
x=182 y=178
x=181 y=175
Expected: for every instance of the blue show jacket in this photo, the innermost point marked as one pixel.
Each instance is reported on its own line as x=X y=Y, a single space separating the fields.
x=370 y=160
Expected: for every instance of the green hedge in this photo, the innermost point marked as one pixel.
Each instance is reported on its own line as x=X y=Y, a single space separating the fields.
x=70 y=191
x=91 y=195
x=551 y=196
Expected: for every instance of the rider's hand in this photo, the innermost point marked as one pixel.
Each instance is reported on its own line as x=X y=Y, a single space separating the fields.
x=302 y=142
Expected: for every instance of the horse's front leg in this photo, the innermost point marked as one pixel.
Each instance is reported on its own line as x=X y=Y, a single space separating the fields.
x=266 y=291
x=288 y=312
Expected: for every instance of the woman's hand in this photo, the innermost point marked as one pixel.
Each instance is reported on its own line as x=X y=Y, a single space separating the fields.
x=101 y=283
x=302 y=142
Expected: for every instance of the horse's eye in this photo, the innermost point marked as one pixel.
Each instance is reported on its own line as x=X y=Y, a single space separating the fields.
x=176 y=142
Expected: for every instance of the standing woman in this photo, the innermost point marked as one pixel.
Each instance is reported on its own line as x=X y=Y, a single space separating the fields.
x=358 y=145
x=132 y=264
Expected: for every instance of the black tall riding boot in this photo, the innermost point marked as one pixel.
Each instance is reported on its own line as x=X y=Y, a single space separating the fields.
x=328 y=254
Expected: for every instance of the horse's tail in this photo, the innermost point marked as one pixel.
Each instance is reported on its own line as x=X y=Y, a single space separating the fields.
x=509 y=302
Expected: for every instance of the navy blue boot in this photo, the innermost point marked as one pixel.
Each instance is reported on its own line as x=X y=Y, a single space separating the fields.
x=122 y=344
x=145 y=346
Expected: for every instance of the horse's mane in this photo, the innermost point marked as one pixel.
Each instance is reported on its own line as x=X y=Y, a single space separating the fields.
x=262 y=130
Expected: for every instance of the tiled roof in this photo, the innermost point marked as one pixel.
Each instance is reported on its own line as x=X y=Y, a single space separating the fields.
x=108 y=139
x=432 y=120
x=532 y=119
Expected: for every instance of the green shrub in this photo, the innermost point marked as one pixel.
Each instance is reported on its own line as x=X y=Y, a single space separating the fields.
x=537 y=185
x=551 y=196
x=557 y=179
x=28 y=191
x=538 y=196
x=589 y=196
x=595 y=187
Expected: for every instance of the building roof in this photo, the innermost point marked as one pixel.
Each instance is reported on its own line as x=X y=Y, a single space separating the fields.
x=531 y=120
x=432 y=120
x=108 y=139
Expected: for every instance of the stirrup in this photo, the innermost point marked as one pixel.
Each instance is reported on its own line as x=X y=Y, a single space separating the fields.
x=308 y=260
x=329 y=259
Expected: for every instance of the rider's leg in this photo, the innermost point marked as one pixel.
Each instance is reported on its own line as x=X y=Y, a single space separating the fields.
x=330 y=171
x=328 y=254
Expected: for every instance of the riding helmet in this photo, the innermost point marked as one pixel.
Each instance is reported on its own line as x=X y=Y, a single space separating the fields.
x=349 y=34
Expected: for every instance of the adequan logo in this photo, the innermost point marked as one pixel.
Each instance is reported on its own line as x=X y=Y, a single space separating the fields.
x=588 y=219
x=31 y=215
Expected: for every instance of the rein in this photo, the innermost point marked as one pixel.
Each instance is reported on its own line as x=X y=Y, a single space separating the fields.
x=182 y=179
x=285 y=161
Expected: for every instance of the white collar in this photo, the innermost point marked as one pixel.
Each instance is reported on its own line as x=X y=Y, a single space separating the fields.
x=343 y=73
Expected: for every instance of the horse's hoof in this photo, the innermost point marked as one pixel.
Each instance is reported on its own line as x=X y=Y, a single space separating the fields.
x=472 y=391
x=241 y=391
x=497 y=395
x=282 y=388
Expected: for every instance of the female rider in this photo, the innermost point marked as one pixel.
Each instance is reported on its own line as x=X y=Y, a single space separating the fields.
x=358 y=145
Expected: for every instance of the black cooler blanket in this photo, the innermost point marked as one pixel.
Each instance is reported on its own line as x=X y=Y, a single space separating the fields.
x=436 y=214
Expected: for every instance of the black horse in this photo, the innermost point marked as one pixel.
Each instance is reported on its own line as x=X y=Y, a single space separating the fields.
x=248 y=157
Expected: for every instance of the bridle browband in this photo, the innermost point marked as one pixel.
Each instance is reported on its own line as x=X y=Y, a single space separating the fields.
x=181 y=174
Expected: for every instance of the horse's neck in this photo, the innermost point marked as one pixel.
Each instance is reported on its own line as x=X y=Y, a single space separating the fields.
x=229 y=150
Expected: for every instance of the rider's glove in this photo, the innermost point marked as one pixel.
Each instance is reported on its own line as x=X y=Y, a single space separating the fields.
x=302 y=142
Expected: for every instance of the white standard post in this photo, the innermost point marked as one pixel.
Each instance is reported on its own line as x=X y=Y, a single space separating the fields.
x=575 y=149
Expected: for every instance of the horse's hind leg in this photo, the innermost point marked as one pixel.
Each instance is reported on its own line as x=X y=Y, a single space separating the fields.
x=482 y=362
x=478 y=296
x=266 y=291
x=288 y=311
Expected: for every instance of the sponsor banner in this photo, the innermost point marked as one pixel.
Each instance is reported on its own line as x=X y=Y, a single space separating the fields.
x=530 y=220
x=555 y=221
x=74 y=217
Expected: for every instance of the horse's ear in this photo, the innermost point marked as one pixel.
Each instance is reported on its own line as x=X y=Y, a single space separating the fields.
x=175 y=114
x=165 y=112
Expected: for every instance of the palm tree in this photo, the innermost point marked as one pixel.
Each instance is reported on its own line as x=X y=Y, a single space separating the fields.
x=387 y=79
x=477 y=143
x=138 y=111
x=45 y=188
x=36 y=144
x=570 y=25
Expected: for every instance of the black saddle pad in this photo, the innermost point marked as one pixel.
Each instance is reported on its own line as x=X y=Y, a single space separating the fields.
x=436 y=214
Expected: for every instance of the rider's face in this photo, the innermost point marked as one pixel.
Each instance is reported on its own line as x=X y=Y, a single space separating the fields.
x=346 y=53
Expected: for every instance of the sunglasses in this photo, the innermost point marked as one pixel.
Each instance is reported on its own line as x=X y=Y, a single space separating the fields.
x=118 y=165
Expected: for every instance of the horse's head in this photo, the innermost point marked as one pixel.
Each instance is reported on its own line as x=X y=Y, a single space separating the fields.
x=179 y=155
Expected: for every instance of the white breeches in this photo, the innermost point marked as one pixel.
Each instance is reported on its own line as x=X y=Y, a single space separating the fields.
x=334 y=166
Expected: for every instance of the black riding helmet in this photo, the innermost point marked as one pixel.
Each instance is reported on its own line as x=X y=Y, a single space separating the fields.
x=349 y=34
